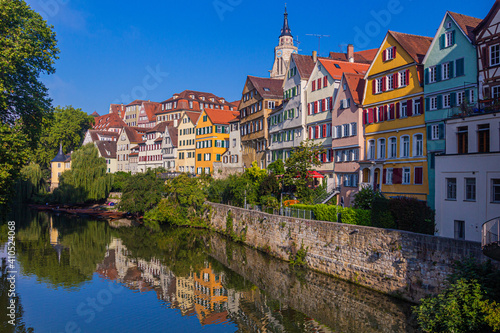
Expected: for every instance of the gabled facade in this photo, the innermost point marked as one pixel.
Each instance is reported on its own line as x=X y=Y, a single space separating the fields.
x=132 y=112
x=231 y=159
x=147 y=114
x=287 y=124
x=186 y=159
x=129 y=137
x=487 y=35
x=348 y=140
x=468 y=176
x=212 y=138
x=450 y=75
x=96 y=135
x=169 y=148
x=260 y=96
x=322 y=89
x=395 y=159
x=107 y=150
x=109 y=122
x=150 y=148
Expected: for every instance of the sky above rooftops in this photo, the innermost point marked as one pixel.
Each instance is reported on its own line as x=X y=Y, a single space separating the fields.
x=115 y=52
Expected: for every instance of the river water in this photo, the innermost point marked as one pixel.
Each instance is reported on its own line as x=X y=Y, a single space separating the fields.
x=80 y=275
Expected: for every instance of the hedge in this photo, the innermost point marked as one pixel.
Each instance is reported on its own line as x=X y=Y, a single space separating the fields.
x=330 y=213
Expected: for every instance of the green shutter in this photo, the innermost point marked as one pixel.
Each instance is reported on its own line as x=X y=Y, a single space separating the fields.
x=451 y=68
x=429 y=132
x=453 y=37
x=438 y=73
x=453 y=99
x=441 y=41
x=440 y=102
x=460 y=66
x=441 y=131
x=427 y=104
x=426 y=75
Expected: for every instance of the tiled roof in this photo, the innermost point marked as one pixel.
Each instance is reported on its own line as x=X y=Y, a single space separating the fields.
x=95 y=134
x=95 y=114
x=193 y=116
x=173 y=133
x=117 y=108
x=488 y=16
x=267 y=87
x=235 y=120
x=221 y=117
x=364 y=57
x=151 y=108
x=336 y=68
x=107 y=149
x=136 y=102
x=111 y=120
x=466 y=23
x=416 y=46
x=160 y=127
x=235 y=104
x=356 y=85
x=133 y=154
x=197 y=96
x=305 y=65
x=133 y=135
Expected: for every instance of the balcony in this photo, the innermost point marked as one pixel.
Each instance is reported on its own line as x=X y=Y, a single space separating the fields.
x=490 y=238
x=467 y=110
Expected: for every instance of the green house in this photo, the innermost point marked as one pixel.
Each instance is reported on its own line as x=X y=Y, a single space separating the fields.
x=450 y=82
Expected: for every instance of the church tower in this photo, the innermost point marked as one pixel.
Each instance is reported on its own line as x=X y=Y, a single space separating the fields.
x=283 y=52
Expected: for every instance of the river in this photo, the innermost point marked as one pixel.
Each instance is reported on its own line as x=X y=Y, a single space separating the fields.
x=80 y=275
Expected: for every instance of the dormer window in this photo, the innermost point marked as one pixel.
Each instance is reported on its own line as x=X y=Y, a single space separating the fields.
x=176 y=96
x=222 y=101
x=448 y=25
x=202 y=98
x=389 y=53
x=191 y=96
x=267 y=89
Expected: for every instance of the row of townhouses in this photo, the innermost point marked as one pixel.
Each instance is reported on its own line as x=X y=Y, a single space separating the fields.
x=417 y=117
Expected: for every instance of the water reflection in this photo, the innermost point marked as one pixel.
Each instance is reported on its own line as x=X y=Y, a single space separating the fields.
x=201 y=275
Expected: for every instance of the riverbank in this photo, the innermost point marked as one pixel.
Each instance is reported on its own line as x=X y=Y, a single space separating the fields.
x=94 y=211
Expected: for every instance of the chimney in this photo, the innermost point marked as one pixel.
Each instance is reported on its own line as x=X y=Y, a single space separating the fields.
x=315 y=56
x=350 y=53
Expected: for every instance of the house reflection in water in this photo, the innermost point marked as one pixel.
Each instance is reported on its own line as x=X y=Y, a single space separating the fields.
x=210 y=297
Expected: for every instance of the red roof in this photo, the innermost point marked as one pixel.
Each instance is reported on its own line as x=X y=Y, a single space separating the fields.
x=136 y=102
x=160 y=127
x=193 y=116
x=173 y=133
x=416 y=46
x=111 y=120
x=466 y=23
x=267 y=87
x=336 y=68
x=133 y=135
x=151 y=108
x=365 y=57
x=221 y=117
x=304 y=64
x=356 y=85
x=95 y=114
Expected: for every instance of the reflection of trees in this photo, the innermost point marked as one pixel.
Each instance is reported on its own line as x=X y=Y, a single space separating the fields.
x=69 y=263
x=20 y=326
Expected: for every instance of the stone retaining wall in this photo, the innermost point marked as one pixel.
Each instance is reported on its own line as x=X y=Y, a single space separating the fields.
x=395 y=262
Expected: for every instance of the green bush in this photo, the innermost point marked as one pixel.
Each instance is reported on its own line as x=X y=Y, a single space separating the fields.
x=324 y=212
x=412 y=215
x=381 y=216
x=356 y=216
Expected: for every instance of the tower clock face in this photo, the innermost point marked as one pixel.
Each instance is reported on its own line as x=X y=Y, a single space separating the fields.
x=279 y=53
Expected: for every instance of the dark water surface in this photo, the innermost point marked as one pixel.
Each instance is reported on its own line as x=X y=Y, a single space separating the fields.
x=78 y=275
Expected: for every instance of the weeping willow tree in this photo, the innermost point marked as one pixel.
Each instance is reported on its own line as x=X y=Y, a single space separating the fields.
x=87 y=180
x=30 y=183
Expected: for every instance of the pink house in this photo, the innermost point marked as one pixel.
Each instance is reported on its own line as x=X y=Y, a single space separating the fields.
x=347 y=135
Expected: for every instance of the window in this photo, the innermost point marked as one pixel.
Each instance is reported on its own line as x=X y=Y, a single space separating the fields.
x=388 y=176
x=389 y=53
x=405 y=146
x=271 y=104
x=406 y=176
x=432 y=74
x=433 y=102
x=495 y=55
x=445 y=71
x=402 y=79
x=470 y=189
x=353 y=129
x=199 y=158
x=459 y=229
x=418 y=142
x=483 y=138
x=338 y=131
x=462 y=140
x=404 y=109
x=448 y=39
x=371 y=150
x=58 y=165
x=471 y=96
x=346 y=129
x=207 y=157
x=392 y=148
x=417 y=107
x=460 y=97
x=434 y=132
x=378 y=86
x=390 y=82
x=447 y=101
x=381 y=149
x=451 y=189
x=495 y=92
x=495 y=190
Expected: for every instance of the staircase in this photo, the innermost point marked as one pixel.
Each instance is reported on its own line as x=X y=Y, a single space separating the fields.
x=331 y=191
x=490 y=238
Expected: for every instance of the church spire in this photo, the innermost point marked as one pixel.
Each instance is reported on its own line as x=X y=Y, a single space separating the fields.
x=285 y=31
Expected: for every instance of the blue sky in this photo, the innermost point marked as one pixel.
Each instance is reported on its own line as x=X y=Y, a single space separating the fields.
x=117 y=51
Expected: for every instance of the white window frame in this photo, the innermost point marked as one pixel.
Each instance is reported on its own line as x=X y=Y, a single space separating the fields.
x=381 y=149
x=433 y=103
x=460 y=97
x=378 y=86
x=388 y=176
x=403 y=110
x=389 y=82
x=494 y=54
x=402 y=79
x=418 y=145
x=406 y=177
x=446 y=101
x=435 y=132
x=370 y=154
x=432 y=74
x=392 y=147
x=405 y=147
x=495 y=92
x=445 y=71
x=389 y=53
x=448 y=39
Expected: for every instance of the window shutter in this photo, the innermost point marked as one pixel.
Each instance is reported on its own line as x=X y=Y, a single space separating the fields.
x=391 y=111
x=421 y=105
x=460 y=66
x=418 y=175
x=407 y=78
x=395 y=80
x=427 y=104
x=310 y=133
x=438 y=73
x=384 y=83
x=393 y=52
x=384 y=56
x=365 y=116
x=331 y=103
x=441 y=131
x=396 y=175
x=370 y=115
x=451 y=63
x=317 y=134
x=426 y=76
x=453 y=37
x=384 y=176
x=374 y=86
x=453 y=99
x=324 y=131
x=439 y=102
x=325 y=81
x=409 y=107
x=398 y=107
x=441 y=41
x=429 y=132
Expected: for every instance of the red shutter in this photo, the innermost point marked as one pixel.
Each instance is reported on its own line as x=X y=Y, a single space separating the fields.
x=324 y=157
x=324 y=131
x=374 y=84
x=418 y=175
x=384 y=175
x=391 y=112
x=316 y=107
x=393 y=52
x=325 y=81
x=384 y=56
x=407 y=78
x=397 y=175
x=313 y=86
x=384 y=83
x=317 y=131
x=395 y=80
x=409 y=107
x=319 y=84
x=370 y=116
x=310 y=133
x=398 y=107
x=365 y=115
x=331 y=103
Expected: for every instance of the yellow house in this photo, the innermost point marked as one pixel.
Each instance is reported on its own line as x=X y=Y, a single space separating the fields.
x=59 y=164
x=395 y=160
x=212 y=138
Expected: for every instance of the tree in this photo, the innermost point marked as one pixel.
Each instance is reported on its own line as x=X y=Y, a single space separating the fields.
x=66 y=126
x=298 y=166
x=87 y=179
x=141 y=192
x=30 y=183
x=277 y=167
x=27 y=50
x=365 y=197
